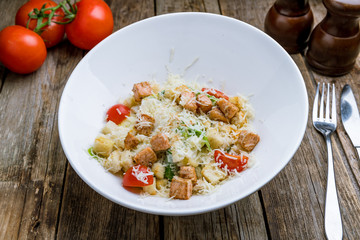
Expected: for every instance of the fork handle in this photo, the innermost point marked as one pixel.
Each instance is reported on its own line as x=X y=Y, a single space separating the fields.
x=333 y=225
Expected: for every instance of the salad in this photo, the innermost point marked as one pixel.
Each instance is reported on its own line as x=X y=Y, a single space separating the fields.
x=177 y=139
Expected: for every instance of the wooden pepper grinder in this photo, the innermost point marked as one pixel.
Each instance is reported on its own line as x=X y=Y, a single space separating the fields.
x=334 y=43
x=289 y=22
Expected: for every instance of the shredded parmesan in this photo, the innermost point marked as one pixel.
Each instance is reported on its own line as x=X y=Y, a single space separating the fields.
x=193 y=136
x=140 y=175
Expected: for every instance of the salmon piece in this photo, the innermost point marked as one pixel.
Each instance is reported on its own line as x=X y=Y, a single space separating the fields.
x=188 y=101
x=248 y=140
x=145 y=157
x=160 y=142
x=145 y=124
x=217 y=115
x=229 y=109
x=188 y=172
x=181 y=188
x=141 y=90
x=130 y=141
x=204 y=103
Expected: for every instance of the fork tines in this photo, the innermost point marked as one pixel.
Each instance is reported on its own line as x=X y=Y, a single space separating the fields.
x=325 y=92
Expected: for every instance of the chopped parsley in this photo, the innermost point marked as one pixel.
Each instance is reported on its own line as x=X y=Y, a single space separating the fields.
x=170 y=167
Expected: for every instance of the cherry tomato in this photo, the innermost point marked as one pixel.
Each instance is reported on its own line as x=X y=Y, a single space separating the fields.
x=215 y=93
x=21 y=50
x=117 y=113
x=138 y=176
x=232 y=162
x=52 y=34
x=93 y=22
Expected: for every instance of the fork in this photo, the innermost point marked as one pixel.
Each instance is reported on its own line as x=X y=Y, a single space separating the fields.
x=326 y=125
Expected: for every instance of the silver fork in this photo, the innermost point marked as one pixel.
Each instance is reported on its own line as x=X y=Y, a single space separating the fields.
x=327 y=125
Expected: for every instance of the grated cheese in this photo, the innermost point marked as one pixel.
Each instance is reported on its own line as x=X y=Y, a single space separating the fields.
x=187 y=132
x=140 y=175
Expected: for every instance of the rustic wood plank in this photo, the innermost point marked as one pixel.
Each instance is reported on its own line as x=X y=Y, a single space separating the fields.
x=346 y=166
x=252 y=12
x=11 y=201
x=242 y=220
x=33 y=158
x=170 y=6
x=87 y=215
x=38 y=161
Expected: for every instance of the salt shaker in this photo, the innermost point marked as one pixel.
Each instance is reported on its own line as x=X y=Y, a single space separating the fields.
x=335 y=42
x=289 y=22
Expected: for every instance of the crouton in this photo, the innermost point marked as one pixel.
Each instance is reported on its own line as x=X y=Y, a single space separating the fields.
x=159 y=170
x=112 y=163
x=145 y=124
x=204 y=103
x=141 y=90
x=160 y=142
x=239 y=119
x=215 y=140
x=126 y=160
x=229 y=109
x=181 y=188
x=103 y=146
x=130 y=141
x=213 y=174
x=248 y=140
x=188 y=100
x=217 y=115
x=109 y=127
x=146 y=157
x=161 y=183
x=188 y=172
x=151 y=189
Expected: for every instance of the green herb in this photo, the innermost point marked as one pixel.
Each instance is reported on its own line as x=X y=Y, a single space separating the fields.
x=92 y=154
x=213 y=99
x=206 y=141
x=187 y=132
x=170 y=167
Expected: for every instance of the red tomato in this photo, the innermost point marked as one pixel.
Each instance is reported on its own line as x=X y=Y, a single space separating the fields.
x=138 y=176
x=215 y=93
x=117 y=113
x=93 y=22
x=51 y=34
x=232 y=162
x=21 y=50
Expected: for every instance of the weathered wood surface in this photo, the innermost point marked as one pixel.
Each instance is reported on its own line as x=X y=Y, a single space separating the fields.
x=42 y=197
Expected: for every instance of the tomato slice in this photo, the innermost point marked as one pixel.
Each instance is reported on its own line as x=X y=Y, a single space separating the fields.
x=215 y=93
x=117 y=113
x=138 y=176
x=233 y=162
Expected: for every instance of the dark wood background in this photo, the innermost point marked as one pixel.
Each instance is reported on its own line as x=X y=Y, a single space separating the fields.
x=42 y=197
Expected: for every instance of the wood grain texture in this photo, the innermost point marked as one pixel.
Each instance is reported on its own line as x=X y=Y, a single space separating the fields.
x=87 y=215
x=242 y=220
x=42 y=197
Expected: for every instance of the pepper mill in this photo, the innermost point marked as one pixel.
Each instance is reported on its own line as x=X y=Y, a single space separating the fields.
x=334 y=43
x=289 y=22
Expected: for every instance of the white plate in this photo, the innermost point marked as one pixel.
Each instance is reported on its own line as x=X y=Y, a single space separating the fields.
x=236 y=56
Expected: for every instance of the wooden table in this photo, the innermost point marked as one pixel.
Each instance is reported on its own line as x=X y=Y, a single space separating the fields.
x=42 y=197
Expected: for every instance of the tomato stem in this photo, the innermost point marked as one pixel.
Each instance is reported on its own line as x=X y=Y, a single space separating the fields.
x=40 y=15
